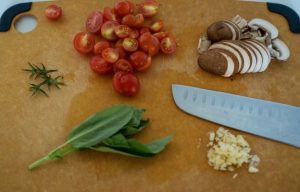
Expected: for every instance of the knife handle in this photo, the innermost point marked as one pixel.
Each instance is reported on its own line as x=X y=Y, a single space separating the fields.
x=288 y=13
x=8 y=16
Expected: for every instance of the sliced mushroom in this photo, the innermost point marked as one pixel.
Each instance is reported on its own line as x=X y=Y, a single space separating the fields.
x=221 y=30
x=214 y=62
x=283 y=52
x=232 y=56
x=243 y=52
x=252 y=56
x=265 y=26
x=258 y=56
x=265 y=57
x=230 y=66
x=230 y=49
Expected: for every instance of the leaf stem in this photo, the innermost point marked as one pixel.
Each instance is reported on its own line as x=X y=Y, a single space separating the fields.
x=57 y=153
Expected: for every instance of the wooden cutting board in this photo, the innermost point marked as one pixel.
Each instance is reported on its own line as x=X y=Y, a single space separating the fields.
x=32 y=126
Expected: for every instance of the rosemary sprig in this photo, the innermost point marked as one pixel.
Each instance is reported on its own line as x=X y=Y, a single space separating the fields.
x=45 y=74
x=37 y=71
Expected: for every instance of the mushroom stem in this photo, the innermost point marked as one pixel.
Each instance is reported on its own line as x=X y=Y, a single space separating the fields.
x=203 y=44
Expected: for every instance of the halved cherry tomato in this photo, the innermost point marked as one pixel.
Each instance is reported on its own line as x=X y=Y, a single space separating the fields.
x=123 y=8
x=139 y=20
x=122 y=53
x=94 y=22
x=140 y=61
x=108 y=30
x=110 y=55
x=126 y=83
x=168 y=45
x=84 y=42
x=130 y=44
x=161 y=35
x=100 y=46
x=122 y=31
x=119 y=43
x=53 y=12
x=149 y=43
x=109 y=14
x=100 y=66
x=123 y=65
x=149 y=8
x=157 y=26
x=134 y=33
x=129 y=20
x=144 y=30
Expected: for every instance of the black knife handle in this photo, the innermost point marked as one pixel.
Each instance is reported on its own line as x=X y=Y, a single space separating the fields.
x=8 y=16
x=292 y=17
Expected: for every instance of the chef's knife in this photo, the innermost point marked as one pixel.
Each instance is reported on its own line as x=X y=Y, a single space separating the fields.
x=290 y=9
x=10 y=8
x=271 y=120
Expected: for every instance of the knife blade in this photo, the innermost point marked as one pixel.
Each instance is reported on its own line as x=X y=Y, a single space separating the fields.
x=267 y=119
x=10 y=8
x=290 y=9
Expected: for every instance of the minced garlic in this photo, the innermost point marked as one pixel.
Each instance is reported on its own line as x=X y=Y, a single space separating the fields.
x=227 y=151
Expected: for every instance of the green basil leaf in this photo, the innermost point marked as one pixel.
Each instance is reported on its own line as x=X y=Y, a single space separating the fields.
x=112 y=150
x=136 y=118
x=130 y=130
x=100 y=126
x=134 y=147
x=117 y=140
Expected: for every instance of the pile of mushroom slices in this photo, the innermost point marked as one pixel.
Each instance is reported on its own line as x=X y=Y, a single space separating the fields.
x=239 y=46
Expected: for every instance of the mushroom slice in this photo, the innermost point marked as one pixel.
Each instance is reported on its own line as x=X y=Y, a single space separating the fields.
x=237 y=30
x=232 y=56
x=251 y=55
x=265 y=56
x=230 y=49
x=219 y=31
x=215 y=62
x=282 y=48
x=230 y=65
x=242 y=51
x=258 y=56
x=264 y=25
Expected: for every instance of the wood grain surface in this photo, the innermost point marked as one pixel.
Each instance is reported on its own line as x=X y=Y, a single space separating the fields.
x=32 y=126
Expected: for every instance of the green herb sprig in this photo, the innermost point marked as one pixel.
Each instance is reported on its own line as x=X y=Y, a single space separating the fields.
x=41 y=72
x=108 y=131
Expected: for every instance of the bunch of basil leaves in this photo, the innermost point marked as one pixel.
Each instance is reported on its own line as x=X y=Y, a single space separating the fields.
x=109 y=131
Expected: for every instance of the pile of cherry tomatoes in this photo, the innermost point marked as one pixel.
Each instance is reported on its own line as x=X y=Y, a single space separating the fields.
x=127 y=42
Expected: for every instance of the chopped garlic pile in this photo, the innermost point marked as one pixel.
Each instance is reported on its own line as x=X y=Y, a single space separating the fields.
x=227 y=151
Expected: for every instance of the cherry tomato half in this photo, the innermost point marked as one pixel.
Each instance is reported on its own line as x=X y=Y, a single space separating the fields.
x=144 y=30
x=109 y=14
x=129 y=20
x=126 y=84
x=122 y=31
x=94 y=22
x=149 y=43
x=140 y=61
x=100 y=46
x=134 y=33
x=108 y=30
x=84 y=42
x=122 y=53
x=110 y=55
x=123 y=8
x=130 y=44
x=149 y=8
x=53 y=12
x=168 y=45
x=139 y=20
x=123 y=65
x=157 y=26
x=161 y=35
x=100 y=66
